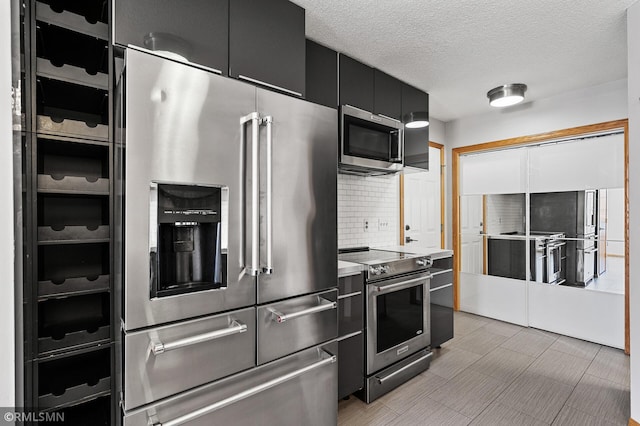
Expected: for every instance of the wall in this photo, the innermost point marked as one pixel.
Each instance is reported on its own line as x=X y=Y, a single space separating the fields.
x=504 y=213
x=615 y=222
x=374 y=199
x=633 y=61
x=7 y=335
x=592 y=105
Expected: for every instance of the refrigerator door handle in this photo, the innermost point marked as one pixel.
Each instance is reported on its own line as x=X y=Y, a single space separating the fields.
x=327 y=359
x=268 y=268
x=254 y=118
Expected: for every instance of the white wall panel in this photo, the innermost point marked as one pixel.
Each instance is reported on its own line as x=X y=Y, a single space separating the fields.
x=584 y=164
x=501 y=172
x=494 y=297
x=585 y=314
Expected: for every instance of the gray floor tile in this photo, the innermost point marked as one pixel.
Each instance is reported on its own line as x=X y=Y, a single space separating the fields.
x=426 y=411
x=464 y=323
x=469 y=393
x=537 y=396
x=503 y=364
x=354 y=412
x=601 y=398
x=560 y=366
x=479 y=341
x=529 y=342
x=576 y=347
x=450 y=361
x=569 y=416
x=611 y=364
x=405 y=396
x=498 y=414
x=503 y=328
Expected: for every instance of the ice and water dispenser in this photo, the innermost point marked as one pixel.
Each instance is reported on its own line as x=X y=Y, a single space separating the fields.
x=187 y=238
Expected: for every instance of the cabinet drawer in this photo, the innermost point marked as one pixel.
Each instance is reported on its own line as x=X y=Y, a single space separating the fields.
x=288 y=326
x=443 y=263
x=166 y=360
x=441 y=277
x=350 y=313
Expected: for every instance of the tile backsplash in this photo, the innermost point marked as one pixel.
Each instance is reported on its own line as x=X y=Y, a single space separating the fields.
x=505 y=213
x=370 y=199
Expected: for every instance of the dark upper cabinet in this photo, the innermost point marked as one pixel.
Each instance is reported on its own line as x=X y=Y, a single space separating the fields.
x=387 y=95
x=322 y=75
x=195 y=29
x=356 y=84
x=267 y=43
x=416 y=141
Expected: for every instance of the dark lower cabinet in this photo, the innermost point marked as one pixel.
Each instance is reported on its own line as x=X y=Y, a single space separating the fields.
x=267 y=44
x=350 y=365
x=322 y=75
x=356 y=84
x=441 y=296
x=350 y=334
x=194 y=29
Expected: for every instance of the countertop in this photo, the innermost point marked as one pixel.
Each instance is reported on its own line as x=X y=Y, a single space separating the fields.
x=348 y=268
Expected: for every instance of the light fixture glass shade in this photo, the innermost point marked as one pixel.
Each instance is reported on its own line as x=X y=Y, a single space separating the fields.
x=506 y=95
x=416 y=120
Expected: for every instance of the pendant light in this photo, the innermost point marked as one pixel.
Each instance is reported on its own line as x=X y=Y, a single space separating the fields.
x=416 y=120
x=506 y=95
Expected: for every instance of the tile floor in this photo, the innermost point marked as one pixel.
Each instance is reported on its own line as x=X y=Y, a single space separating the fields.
x=495 y=373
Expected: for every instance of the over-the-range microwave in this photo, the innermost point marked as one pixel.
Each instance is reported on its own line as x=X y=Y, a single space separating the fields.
x=369 y=144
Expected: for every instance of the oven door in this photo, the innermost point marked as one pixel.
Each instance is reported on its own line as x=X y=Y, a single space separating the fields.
x=554 y=261
x=398 y=319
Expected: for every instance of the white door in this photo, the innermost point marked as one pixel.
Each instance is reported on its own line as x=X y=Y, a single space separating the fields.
x=422 y=199
x=471 y=233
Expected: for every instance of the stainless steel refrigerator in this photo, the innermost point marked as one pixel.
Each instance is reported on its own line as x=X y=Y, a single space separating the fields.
x=227 y=249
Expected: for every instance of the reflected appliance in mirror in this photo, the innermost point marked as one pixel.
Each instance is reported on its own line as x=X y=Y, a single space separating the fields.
x=187 y=246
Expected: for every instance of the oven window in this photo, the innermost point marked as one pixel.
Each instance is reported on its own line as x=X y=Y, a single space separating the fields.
x=369 y=140
x=400 y=316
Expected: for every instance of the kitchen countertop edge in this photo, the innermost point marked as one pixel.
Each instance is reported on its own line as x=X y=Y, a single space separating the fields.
x=434 y=253
x=346 y=269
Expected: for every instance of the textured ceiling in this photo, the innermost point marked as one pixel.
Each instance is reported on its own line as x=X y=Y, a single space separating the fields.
x=459 y=49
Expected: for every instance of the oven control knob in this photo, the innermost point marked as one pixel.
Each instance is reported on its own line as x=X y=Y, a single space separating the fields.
x=423 y=262
x=385 y=269
x=375 y=270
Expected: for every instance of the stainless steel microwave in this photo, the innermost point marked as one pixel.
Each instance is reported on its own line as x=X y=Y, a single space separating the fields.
x=370 y=143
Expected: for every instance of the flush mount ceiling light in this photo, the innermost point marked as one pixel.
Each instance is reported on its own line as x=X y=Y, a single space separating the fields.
x=506 y=95
x=416 y=120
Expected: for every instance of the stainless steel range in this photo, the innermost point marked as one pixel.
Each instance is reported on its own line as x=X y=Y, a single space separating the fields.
x=397 y=317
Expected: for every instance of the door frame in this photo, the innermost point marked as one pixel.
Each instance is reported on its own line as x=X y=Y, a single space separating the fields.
x=528 y=140
x=440 y=147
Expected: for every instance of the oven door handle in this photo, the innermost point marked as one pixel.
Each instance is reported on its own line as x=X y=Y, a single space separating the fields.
x=236 y=328
x=398 y=286
x=327 y=359
x=556 y=245
x=324 y=305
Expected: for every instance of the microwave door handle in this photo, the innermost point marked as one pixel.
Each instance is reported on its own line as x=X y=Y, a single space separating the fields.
x=254 y=118
x=268 y=268
x=400 y=146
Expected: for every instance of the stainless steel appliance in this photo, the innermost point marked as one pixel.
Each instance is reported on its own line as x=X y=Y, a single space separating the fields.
x=225 y=249
x=574 y=214
x=397 y=318
x=370 y=143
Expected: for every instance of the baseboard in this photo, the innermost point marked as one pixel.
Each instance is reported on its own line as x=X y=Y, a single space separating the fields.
x=633 y=422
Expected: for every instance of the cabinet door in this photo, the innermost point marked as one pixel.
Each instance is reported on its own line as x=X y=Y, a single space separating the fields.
x=322 y=75
x=356 y=84
x=416 y=141
x=195 y=29
x=387 y=95
x=267 y=44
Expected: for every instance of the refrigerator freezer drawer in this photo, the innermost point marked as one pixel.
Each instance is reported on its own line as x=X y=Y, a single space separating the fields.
x=294 y=324
x=299 y=389
x=164 y=361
